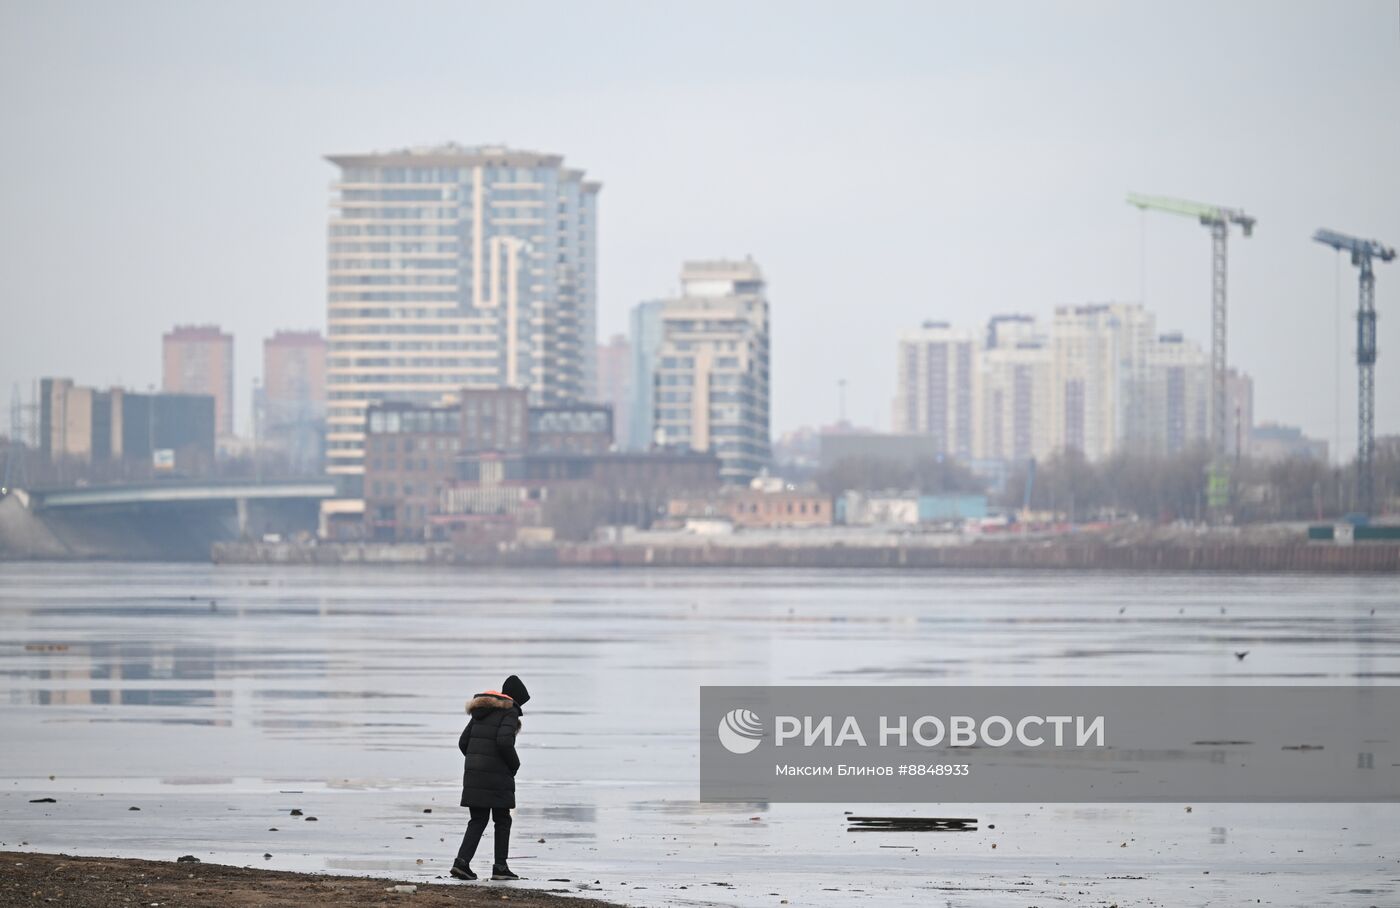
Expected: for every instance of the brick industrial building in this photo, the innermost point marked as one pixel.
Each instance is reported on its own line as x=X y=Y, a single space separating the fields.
x=490 y=454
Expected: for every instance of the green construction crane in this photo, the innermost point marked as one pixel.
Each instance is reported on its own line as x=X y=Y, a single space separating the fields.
x=1218 y=219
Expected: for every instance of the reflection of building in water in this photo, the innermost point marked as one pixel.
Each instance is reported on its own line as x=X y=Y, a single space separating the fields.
x=126 y=674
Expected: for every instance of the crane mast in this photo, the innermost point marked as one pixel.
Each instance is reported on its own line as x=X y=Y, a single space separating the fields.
x=1218 y=219
x=1362 y=254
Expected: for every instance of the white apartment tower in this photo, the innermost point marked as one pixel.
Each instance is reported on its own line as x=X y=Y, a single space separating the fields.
x=1100 y=381
x=1098 y=362
x=1239 y=394
x=1176 y=398
x=701 y=359
x=935 y=395
x=453 y=267
x=1013 y=391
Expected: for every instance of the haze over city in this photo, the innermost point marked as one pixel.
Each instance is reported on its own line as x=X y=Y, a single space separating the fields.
x=975 y=423
x=164 y=164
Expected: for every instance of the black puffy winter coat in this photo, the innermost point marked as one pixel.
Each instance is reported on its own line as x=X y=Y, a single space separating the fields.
x=488 y=743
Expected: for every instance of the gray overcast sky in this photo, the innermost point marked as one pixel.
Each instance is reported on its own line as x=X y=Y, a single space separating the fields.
x=885 y=163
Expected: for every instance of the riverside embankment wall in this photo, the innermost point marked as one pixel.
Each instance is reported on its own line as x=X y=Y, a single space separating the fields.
x=1052 y=555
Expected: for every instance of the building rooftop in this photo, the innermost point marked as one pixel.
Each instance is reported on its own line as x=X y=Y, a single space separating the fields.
x=1279 y=432
x=295 y=339
x=721 y=278
x=716 y=269
x=452 y=154
x=197 y=332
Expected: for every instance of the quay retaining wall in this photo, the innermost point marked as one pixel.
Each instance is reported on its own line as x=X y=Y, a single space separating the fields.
x=1072 y=556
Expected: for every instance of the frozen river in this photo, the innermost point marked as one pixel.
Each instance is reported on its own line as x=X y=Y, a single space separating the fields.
x=217 y=699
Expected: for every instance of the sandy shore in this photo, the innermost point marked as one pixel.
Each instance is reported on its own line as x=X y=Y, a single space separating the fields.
x=40 y=879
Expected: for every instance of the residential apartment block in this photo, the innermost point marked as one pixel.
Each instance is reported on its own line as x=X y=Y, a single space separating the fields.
x=1013 y=385
x=1099 y=379
x=198 y=359
x=701 y=360
x=645 y=343
x=934 y=391
x=615 y=384
x=456 y=267
x=290 y=410
x=1099 y=364
x=1239 y=419
x=1175 y=399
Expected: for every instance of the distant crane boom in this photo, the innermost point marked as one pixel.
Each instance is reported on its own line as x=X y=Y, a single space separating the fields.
x=1206 y=214
x=1362 y=253
x=1359 y=249
x=1218 y=218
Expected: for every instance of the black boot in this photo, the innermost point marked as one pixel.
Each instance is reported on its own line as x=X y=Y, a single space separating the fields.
x=462 y=870
x=502 y=872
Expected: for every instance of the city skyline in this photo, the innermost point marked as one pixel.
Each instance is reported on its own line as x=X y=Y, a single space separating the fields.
x=1001 y=158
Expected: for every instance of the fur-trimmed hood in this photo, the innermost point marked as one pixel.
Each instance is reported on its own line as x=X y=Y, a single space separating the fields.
x=480 y=703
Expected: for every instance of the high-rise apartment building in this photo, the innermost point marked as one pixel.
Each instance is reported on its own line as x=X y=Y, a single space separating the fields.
x=291 y=409
x=645 y=341
x=454 y=267
x=1239 y=419
x=1117 y=384
x=294 y=370
x=1175 y=410
x=1099 y=370
x=1100 y=380
x=198 y=359
x=1013 y=391
x=702 y=367
x=934 y=395
x=615 y=383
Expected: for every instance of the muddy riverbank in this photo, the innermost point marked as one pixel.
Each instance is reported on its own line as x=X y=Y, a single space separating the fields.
x=88 y=882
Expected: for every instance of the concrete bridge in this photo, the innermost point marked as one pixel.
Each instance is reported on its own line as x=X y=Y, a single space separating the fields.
x=182 y=492
x=172 y=519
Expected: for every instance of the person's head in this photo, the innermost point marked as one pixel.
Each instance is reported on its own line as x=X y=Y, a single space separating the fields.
x=515 y=689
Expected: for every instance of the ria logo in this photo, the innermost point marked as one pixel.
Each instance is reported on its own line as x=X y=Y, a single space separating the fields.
x=740 y=731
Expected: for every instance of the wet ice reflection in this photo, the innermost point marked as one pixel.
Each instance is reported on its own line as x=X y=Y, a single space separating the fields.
x=202 y=694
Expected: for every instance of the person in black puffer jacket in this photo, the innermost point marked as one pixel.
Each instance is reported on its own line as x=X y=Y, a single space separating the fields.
x=488 y=781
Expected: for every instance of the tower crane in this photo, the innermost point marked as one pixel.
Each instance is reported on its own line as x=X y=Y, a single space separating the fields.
x=1218 y=219
x=1362 y=252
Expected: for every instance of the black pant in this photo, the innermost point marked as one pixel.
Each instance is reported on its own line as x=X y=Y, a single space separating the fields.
x=477 y=825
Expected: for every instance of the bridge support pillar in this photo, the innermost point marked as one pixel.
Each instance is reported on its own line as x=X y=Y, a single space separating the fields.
x=242 y=505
